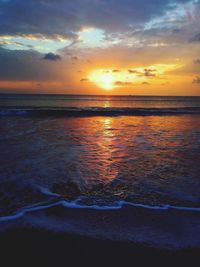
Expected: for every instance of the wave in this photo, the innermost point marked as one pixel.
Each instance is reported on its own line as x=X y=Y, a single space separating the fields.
x=76 y=204
x=97 y=111
x=165 y=226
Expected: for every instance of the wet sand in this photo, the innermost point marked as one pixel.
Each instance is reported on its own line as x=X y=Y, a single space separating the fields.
x=33 y=247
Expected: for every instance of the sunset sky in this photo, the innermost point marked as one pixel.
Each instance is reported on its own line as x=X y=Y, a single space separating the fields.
x=137 y=47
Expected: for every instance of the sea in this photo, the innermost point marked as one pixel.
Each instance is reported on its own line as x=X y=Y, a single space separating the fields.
x=110 y=167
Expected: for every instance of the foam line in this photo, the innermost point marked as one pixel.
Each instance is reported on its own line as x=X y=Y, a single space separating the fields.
x=75 y=205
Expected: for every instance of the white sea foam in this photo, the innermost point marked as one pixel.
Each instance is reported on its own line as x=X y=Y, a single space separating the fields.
x=77 y=205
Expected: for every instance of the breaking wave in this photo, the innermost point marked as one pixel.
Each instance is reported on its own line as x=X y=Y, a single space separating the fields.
x=163 y=226
x=79 y=204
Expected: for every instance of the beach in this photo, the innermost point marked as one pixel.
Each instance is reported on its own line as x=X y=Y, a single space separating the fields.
x=36 y=247
x=99 y=133
x=82 y=182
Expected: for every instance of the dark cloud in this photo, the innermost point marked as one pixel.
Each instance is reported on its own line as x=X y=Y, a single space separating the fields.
x=64 y=18
x=196 y=80
x=48 y=17
x=52 y=57
x=176 y=30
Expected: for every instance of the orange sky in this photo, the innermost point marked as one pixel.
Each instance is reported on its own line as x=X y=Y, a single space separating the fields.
x=155 y=52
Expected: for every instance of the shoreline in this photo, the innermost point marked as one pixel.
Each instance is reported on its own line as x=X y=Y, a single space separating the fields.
x=166 y=230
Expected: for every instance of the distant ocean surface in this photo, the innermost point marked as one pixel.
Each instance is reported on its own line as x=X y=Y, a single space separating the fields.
x=112 y=167
x=65 y=101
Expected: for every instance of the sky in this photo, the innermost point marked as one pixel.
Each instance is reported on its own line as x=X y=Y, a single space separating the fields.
x=131 y=47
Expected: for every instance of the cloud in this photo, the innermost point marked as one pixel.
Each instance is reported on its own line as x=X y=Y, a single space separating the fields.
x=120 y=83
x=47 y=18
x=133 y=71
x=115 y=71
x=142 y=33
x=84 y=80
x=25 y=65
x=196 y=80
x=197 y=61
x=146 y=83
x=74 y=58
x=145 y=72
x=65 y=18
x=196 y=38
x=149 y=73
x=52 y=57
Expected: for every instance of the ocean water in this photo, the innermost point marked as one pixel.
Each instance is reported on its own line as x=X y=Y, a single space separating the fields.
x=125 y=168
x=92 y=101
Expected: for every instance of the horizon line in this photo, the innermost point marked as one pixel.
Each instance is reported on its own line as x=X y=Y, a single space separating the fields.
x=102 y=95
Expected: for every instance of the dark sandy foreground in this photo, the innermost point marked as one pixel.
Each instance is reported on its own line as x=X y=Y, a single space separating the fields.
x=41 y=248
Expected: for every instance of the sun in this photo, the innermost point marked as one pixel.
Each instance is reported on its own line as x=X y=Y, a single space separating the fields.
x=103 y=79
x=107 y=81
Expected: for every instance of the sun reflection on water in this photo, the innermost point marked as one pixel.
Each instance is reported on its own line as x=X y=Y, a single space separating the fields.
x=107 y=104
x=103 y=149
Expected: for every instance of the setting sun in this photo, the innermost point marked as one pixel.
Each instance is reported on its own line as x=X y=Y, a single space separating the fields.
x=103 y=79
x=109 y=79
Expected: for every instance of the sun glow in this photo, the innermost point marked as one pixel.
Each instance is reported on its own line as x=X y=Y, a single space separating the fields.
x=103 y=79
x=109 y=79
